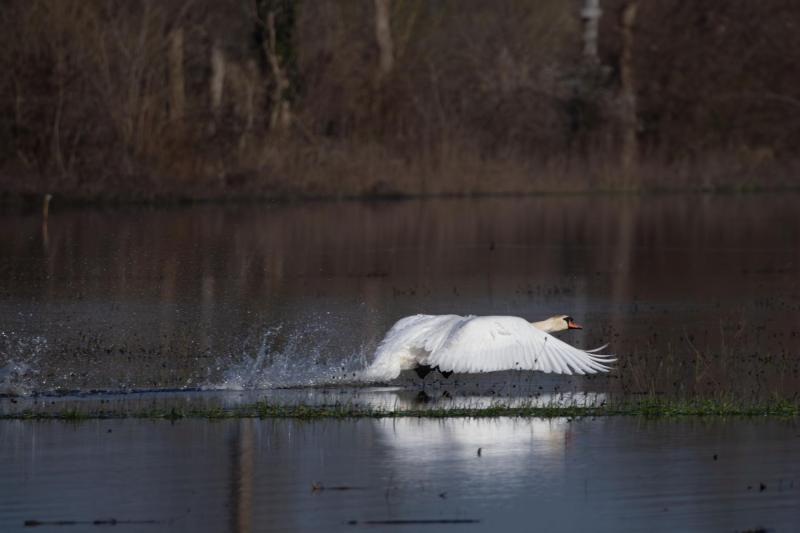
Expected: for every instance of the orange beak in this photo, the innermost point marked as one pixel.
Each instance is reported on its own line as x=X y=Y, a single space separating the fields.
x=572 y=325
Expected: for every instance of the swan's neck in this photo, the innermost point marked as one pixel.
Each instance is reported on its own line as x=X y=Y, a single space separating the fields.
x=548 y=326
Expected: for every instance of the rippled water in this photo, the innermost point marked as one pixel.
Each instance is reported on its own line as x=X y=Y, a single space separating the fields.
x=618 y=474
x=132 y=309
x=697 y=294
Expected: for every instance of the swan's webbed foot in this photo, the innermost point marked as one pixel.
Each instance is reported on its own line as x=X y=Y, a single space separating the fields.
x=445 y=375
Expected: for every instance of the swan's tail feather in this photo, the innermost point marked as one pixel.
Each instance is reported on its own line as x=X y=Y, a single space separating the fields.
x=386 y=367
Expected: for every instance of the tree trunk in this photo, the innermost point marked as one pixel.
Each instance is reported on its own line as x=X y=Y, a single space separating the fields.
x=627 y=97
x=251 y=74
x=591 y=13
x=383 y=36
x=281 y=116
x=217 y=82
x=176 y=80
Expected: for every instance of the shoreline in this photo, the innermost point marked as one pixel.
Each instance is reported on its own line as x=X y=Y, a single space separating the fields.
x=647 y=408
x=28 y=200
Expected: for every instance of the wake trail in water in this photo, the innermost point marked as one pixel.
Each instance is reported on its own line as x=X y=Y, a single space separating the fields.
x=313 y=351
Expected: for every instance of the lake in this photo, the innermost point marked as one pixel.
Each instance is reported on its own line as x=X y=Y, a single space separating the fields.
x=134 y=308
x=697 y=295
x=611 y=474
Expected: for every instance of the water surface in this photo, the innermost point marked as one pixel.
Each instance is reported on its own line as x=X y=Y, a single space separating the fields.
x=698 y=295
x=612 y=474
x=131 y=309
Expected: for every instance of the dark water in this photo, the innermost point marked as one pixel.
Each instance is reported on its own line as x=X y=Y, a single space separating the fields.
x=620 y=474
x=215 y=306
x=696 y=294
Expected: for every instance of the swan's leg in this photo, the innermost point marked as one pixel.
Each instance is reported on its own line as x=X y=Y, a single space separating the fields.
x=422 y=371
x=445 y=375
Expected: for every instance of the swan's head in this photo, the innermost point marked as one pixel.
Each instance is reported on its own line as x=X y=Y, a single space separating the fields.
x=557 y=323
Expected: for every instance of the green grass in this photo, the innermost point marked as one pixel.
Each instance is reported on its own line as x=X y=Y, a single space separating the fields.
x=646 y=407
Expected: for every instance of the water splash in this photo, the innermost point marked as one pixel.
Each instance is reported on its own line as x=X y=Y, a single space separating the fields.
x=19 y=369
x=301 y=356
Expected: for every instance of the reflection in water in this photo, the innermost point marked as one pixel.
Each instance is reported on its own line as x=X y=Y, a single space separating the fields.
x=243 y=470
x=695 y=293
x=392 y=468
x=375 y=398
x=419 y=444
x=609 y=474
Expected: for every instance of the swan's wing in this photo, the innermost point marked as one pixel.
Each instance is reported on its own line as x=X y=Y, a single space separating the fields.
x=425 y=332
x=492 y=343
x=595 y=350
x=409 y=340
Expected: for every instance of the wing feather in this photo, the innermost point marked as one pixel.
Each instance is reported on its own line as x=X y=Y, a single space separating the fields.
x=409 y=340
x=558 y=358
x=570 y=360
x=487 y=344
x=595 y=350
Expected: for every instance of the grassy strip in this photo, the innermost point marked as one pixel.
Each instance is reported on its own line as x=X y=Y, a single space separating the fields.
x=651 y=407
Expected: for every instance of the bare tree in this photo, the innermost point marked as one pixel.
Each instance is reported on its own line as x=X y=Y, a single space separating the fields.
x=627 y=96
x=176 y=77
x=275 y=51
x=98 y=91
x=383 y=36
x=217 y=81
x=591 y=13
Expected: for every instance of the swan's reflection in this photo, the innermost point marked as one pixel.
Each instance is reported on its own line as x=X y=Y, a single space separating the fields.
x=478 y=451
x=373 y=398
x=420 y=439
x=398 y=466
x=398 y=398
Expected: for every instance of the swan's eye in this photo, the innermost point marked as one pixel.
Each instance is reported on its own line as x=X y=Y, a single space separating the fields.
x=568 y=319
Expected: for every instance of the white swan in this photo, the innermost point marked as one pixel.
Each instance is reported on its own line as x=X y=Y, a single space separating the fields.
x=473 y=344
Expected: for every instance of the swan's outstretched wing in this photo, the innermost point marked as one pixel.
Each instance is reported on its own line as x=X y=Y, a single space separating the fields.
x=492 y=343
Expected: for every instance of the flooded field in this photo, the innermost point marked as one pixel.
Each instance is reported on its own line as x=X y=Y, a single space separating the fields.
x=207 y=309
x=612 y=474
x=698 y=295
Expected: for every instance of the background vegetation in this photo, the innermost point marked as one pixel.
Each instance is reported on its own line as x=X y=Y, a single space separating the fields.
x=201 y=98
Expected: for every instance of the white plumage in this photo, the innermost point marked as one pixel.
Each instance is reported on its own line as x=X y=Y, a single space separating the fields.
x=474 y=344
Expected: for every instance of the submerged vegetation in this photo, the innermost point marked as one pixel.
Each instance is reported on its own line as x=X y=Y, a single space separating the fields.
x=645 y=407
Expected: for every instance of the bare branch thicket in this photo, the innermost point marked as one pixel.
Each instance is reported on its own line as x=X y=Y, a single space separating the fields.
x=95 y=92
x=709 y=73
x=627 y=95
